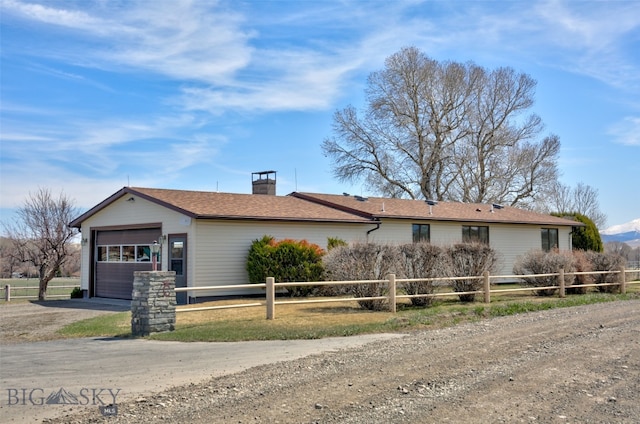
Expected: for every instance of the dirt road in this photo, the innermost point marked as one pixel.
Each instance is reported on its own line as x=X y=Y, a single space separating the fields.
x=574 y=365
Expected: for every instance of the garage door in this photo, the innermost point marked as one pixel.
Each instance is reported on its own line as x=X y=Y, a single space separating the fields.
x=118 y=254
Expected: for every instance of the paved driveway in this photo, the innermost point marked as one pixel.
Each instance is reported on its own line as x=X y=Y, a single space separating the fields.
x=93 y=371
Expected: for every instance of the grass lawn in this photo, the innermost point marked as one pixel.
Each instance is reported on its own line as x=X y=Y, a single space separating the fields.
x=312 y=321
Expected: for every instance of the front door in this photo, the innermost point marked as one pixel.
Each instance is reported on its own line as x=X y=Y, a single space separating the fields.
x=178 y=263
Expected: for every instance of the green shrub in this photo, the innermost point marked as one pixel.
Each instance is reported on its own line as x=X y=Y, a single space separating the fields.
x=333 y=242
x=76 y=293
x=286 y=261
x=470 y=260
x=422 y=260
x=584 y=238
x=541 y=262
x=260 y=264
x=363 y=261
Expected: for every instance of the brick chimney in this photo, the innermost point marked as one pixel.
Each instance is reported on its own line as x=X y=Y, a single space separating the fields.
x=264 y=182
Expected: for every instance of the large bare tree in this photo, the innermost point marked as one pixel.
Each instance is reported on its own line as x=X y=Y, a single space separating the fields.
x=445 y=131
x=581 y=199
x=41 y=235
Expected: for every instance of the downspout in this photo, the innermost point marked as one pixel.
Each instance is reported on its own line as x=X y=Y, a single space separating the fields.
x=372 y=230
x=571 y=239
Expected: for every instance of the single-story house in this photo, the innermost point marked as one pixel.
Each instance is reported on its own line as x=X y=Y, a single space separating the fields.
x=205 y=236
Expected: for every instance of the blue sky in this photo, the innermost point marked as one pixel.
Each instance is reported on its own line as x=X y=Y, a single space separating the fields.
x=97 y=95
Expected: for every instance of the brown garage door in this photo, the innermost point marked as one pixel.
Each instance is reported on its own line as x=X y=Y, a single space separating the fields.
x=118 y=254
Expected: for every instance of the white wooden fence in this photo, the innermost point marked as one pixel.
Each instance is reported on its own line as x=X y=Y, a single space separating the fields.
x=8 y=296
x=392 y=282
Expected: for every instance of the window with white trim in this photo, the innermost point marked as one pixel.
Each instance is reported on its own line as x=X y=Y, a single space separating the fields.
x=421 y=233
x=549 y=238
x=124 y=253
x=475 y=234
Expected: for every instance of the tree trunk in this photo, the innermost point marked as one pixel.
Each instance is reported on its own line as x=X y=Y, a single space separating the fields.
x=42 y=290
x=45 y=277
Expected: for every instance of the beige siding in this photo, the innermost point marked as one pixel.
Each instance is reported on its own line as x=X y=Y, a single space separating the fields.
x=217 y=250
x=512 y=241
x=394 y=231
x=509 y=240
x=222 y=246
x=123 y=213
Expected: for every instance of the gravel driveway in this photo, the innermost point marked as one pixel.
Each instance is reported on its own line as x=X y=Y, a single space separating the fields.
x=93 y=371
x=38 y=321
x=573 y=365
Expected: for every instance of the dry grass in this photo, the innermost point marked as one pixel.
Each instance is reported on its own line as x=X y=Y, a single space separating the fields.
x=343 y=318
x=292 y=318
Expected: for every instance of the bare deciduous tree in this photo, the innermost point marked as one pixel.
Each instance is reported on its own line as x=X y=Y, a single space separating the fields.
x=445 y=131
x=619 y=248
x=582 y=199
x=41 y=234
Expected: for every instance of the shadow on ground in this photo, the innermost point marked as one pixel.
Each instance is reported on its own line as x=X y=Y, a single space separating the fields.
x=115 y=305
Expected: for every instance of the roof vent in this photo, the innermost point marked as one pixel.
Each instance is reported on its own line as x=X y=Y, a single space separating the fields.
x=263 y=183
x=360 y=198
x=431 y=204
x=495 y=206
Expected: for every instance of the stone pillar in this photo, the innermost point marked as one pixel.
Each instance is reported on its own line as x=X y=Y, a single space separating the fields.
x=153 y=302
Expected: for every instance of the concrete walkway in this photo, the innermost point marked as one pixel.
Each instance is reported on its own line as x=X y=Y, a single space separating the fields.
x=99 y=370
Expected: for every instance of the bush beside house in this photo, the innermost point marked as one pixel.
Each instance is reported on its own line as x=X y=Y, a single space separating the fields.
x=287 y=261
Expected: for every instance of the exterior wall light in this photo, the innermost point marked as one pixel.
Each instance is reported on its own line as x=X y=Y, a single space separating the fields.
x=155 y=250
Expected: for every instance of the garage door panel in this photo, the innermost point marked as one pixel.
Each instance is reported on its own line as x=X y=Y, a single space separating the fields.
x=137 y=236
x=115 y=279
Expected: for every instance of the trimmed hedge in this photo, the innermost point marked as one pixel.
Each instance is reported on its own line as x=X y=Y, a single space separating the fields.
x=287 y=261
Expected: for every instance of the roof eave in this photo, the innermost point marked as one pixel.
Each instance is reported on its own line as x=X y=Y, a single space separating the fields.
x=282 y=219
x=77 y=223
x=488 y=221
x=357 y=212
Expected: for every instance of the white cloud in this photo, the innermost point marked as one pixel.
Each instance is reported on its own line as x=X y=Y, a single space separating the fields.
x=627 y=131
x=591 y=38
x=180 y=39
x=49 y=15
x=298 y=81
x=184 y=40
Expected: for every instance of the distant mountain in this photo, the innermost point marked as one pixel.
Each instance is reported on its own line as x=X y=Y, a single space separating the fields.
x=625 y=233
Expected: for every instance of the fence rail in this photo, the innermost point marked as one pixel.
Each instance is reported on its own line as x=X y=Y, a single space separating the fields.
x=392 y=282
x=8 y=296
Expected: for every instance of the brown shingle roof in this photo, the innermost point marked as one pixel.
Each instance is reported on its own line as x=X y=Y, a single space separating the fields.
x=201 y=204
x=377 y=208
x=322 y=208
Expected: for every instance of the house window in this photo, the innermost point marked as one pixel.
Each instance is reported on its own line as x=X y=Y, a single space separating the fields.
x=549 y=238
x=421 y=232
x=475 y=234
x=126 y=253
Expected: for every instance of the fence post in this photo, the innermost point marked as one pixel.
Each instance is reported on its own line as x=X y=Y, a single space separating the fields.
x=622 y=278
x=271 y=297
x=392 y=293
x=561 y=282
x=7 y=292
x=487 y=287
